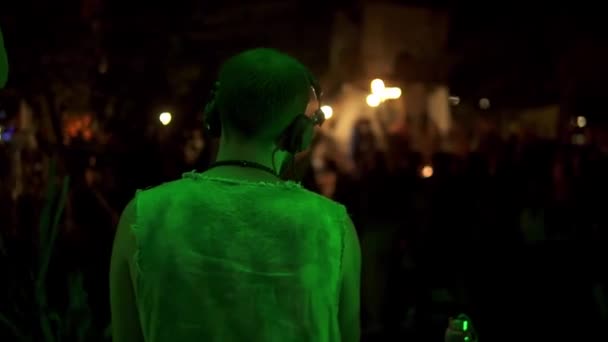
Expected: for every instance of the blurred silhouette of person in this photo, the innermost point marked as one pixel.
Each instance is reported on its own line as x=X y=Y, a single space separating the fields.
x=89 y=209
x=236 y=253
x=365 y=150
x=370 y=176
x=3 y=62
x=373 y=195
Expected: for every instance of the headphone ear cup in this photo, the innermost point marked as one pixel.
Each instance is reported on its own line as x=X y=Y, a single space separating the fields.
x=211 y=116
x=212 y=120
x=298 y=135
x=306 y=135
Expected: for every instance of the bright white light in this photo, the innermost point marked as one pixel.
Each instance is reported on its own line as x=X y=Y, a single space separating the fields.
x=391 y=93
x=377 y=86
x=373 y=100
x=454 y=100
x=165 y=118
x=328 y=111
x=427 y=171
x=581 y=121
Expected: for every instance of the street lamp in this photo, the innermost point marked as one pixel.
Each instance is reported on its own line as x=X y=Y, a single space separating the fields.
x=373 y=100
x=426 y=171
x=381 y=93
x=581 y=121
x=165 y=118
x=327 y=111
x=392 y=93
x=377 y=86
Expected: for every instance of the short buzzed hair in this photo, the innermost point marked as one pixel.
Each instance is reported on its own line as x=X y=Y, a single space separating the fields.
x=261 y=91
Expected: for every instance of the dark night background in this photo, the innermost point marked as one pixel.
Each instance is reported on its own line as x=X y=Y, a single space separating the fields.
x=509 y=226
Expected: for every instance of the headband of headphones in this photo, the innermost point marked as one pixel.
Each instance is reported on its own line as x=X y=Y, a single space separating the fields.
x=318 y=117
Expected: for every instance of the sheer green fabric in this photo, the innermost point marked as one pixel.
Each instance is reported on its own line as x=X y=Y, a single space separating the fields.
x=225 y=260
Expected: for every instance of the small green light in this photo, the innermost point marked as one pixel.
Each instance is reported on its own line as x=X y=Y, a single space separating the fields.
x=465 y=325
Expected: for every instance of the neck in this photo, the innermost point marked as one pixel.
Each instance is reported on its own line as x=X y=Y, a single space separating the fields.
x=251 y=152
x=246 y=151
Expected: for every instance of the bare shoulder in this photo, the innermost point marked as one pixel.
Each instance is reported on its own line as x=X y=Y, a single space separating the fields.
x=174 y=185
x=351 y=283
x=325 y=202
x=352 y=249
x=156 y=197
x=124 y=244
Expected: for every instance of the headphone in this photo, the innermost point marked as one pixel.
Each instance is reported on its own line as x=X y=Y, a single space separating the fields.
x=297 y=137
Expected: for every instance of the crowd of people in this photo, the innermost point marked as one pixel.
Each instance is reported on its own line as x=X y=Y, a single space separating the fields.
x=512 y=231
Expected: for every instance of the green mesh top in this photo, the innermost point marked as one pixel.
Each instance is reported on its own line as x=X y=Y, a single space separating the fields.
x=225 y=260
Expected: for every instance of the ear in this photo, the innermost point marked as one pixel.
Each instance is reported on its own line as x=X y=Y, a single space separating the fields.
x=287 y=140
x=298 y=135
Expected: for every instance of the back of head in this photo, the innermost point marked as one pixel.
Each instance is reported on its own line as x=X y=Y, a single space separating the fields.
x=261 y=91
